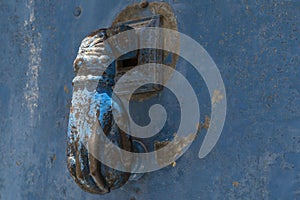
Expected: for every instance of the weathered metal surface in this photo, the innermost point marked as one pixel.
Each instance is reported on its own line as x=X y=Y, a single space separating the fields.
x=139 y=57
x=147 y=14
x=255 y=44
x=92 y=105
x=92 y=102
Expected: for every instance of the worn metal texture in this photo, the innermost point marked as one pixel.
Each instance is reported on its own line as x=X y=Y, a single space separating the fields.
x=92 y=108
x=255 y=45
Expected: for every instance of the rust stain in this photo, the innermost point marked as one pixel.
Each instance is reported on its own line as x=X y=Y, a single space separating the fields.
x=53 y=158
x=198 y=127
x=66 y=89
x=170 y=154
x=217 y=97
x=206 y=122
x=204 y=125
x=174 y=164
x=235 y=183
x=72 y=109
x=140 y=10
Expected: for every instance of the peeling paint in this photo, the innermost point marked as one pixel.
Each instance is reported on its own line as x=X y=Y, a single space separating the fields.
x=31 y=90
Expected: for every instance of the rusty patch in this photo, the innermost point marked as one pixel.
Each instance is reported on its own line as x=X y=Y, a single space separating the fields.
x=174 y=149
x=217 y=97
x=168 y=20
x=235 y=183
x=66 y=89
x=206 y=122
x=204 y=125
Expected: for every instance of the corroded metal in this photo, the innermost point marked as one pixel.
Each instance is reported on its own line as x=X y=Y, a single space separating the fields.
x=149 y=14
x=140 y=57
x=92 y=105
